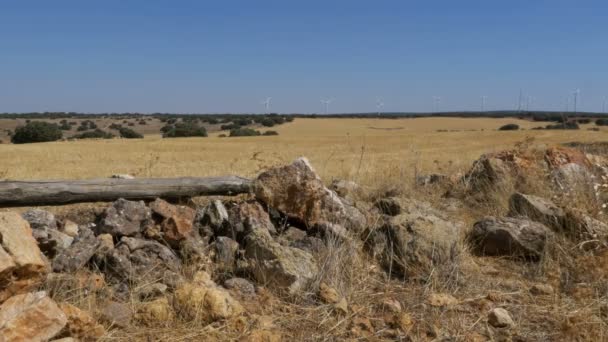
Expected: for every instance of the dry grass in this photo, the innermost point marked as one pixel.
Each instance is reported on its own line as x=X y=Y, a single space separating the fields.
x=381 y=155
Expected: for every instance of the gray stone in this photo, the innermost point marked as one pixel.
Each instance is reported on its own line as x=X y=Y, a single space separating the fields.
x=40 y=219
x=415 y=242
x=500 y=318
x=509 y=237
x=241 y=286
x=117 y=314
x=280 y=267
x=78 y=254
x=537 y=209
x=215 y=215
x=225 y=252
x=244 y=218
x=124 y=218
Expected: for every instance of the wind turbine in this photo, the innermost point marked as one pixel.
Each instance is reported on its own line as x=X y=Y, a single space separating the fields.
x=436 y=102
x=604 y=105
x=483 y=103
x=326 y=103
x=379 y=105
x=576 y=94
x=266 y=104
x=528 y=101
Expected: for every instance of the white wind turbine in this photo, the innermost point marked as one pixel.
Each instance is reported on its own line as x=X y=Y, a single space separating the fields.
x=326 y=103
x=576 y=94
x=483 y=103
x=379 y=105
x=436 y=103
x=266 y=104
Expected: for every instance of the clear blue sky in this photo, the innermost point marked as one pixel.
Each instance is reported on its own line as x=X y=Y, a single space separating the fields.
x=227 y=55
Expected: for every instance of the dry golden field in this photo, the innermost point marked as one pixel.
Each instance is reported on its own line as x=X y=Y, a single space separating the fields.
x=366 y=150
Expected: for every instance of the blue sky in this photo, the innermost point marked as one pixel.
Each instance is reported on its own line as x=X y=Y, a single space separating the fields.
x=225 y=56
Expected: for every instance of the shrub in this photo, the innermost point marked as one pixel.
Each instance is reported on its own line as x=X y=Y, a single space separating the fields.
x=115 y=126
x=128 y=133
x=96 y=134
x=222 y=135
x=143 y=122
x=213 y=121
x=567 y=125
x=271 y=133
x=509 y=127
x=229 y=127
x=268 y=122
x=583 y=121
x=601 y=122
x=184 y=129
x=65 y=126
x=37 y=131
x=244 y=132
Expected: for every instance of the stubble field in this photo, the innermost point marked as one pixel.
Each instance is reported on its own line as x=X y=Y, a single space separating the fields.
x=366 y=150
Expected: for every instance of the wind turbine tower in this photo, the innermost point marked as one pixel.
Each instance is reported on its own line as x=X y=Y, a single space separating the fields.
x=576 y=94
x=379 y=105
x=326 y=103
x=266 y=104
x=436 y=103
x=483 y=103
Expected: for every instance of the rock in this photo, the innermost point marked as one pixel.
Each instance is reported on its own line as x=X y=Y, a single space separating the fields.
x=442 y=300
x=151 y=291
x=509 y=237
x=537 y=209
x=143 y=260
x=241 y=286
x=80 y=324
x=44 y=229
x=22 y=265
x=155 y=313
x=310 y=244
x=177 y=221
x=293 y=234
x=40 y=219
x=389 y=206
x=425 y=180
x=117 y=314
x=30 y=317
x=124 y=218
x=493 y=171
x=244 y=218
x=215 y=215
x=416 y=242
x=122 y=176
x=297 y=191
x=225 y=252
x=582 y=228
x=541 y=289
x=348 y=190
x=70 y=228
x=205 y=301
x=328 y=294
x=500 y=318
x=78 y=254
x=278 y=266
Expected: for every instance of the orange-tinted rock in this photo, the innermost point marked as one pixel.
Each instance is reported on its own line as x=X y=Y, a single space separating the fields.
x=30 y=317
x=80 y=324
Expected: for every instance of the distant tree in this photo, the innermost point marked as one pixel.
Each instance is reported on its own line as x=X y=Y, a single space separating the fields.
x=244 y=132
x=509 y=127
x=601 y=122
x=128 y=133
x=271 y=133
x=95 y=134
x=184 y=129
x=37 y=131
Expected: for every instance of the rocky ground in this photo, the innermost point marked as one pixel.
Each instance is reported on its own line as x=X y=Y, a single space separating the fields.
x=514 y=250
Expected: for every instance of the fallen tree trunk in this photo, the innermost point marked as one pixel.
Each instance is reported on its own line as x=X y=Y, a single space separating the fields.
x=26 y=193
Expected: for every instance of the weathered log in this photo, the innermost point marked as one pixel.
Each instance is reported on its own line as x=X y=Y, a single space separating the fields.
x=56 y=192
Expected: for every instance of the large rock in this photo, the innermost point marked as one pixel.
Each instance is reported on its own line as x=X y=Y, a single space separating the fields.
x=80 y=324
x=244 y=218
x=44 y=229
x=509 y=237
x=415 y=242
x=30 y=317
x=580 y=227
x=177 y=221
x=78 y=254
x=22 y=265
x=537 y=209
x=225 y=252
x=281 y=267
x=143 y=260
x=297 y=191
x=125 y=218
x=215 y=216
x=204 y=300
